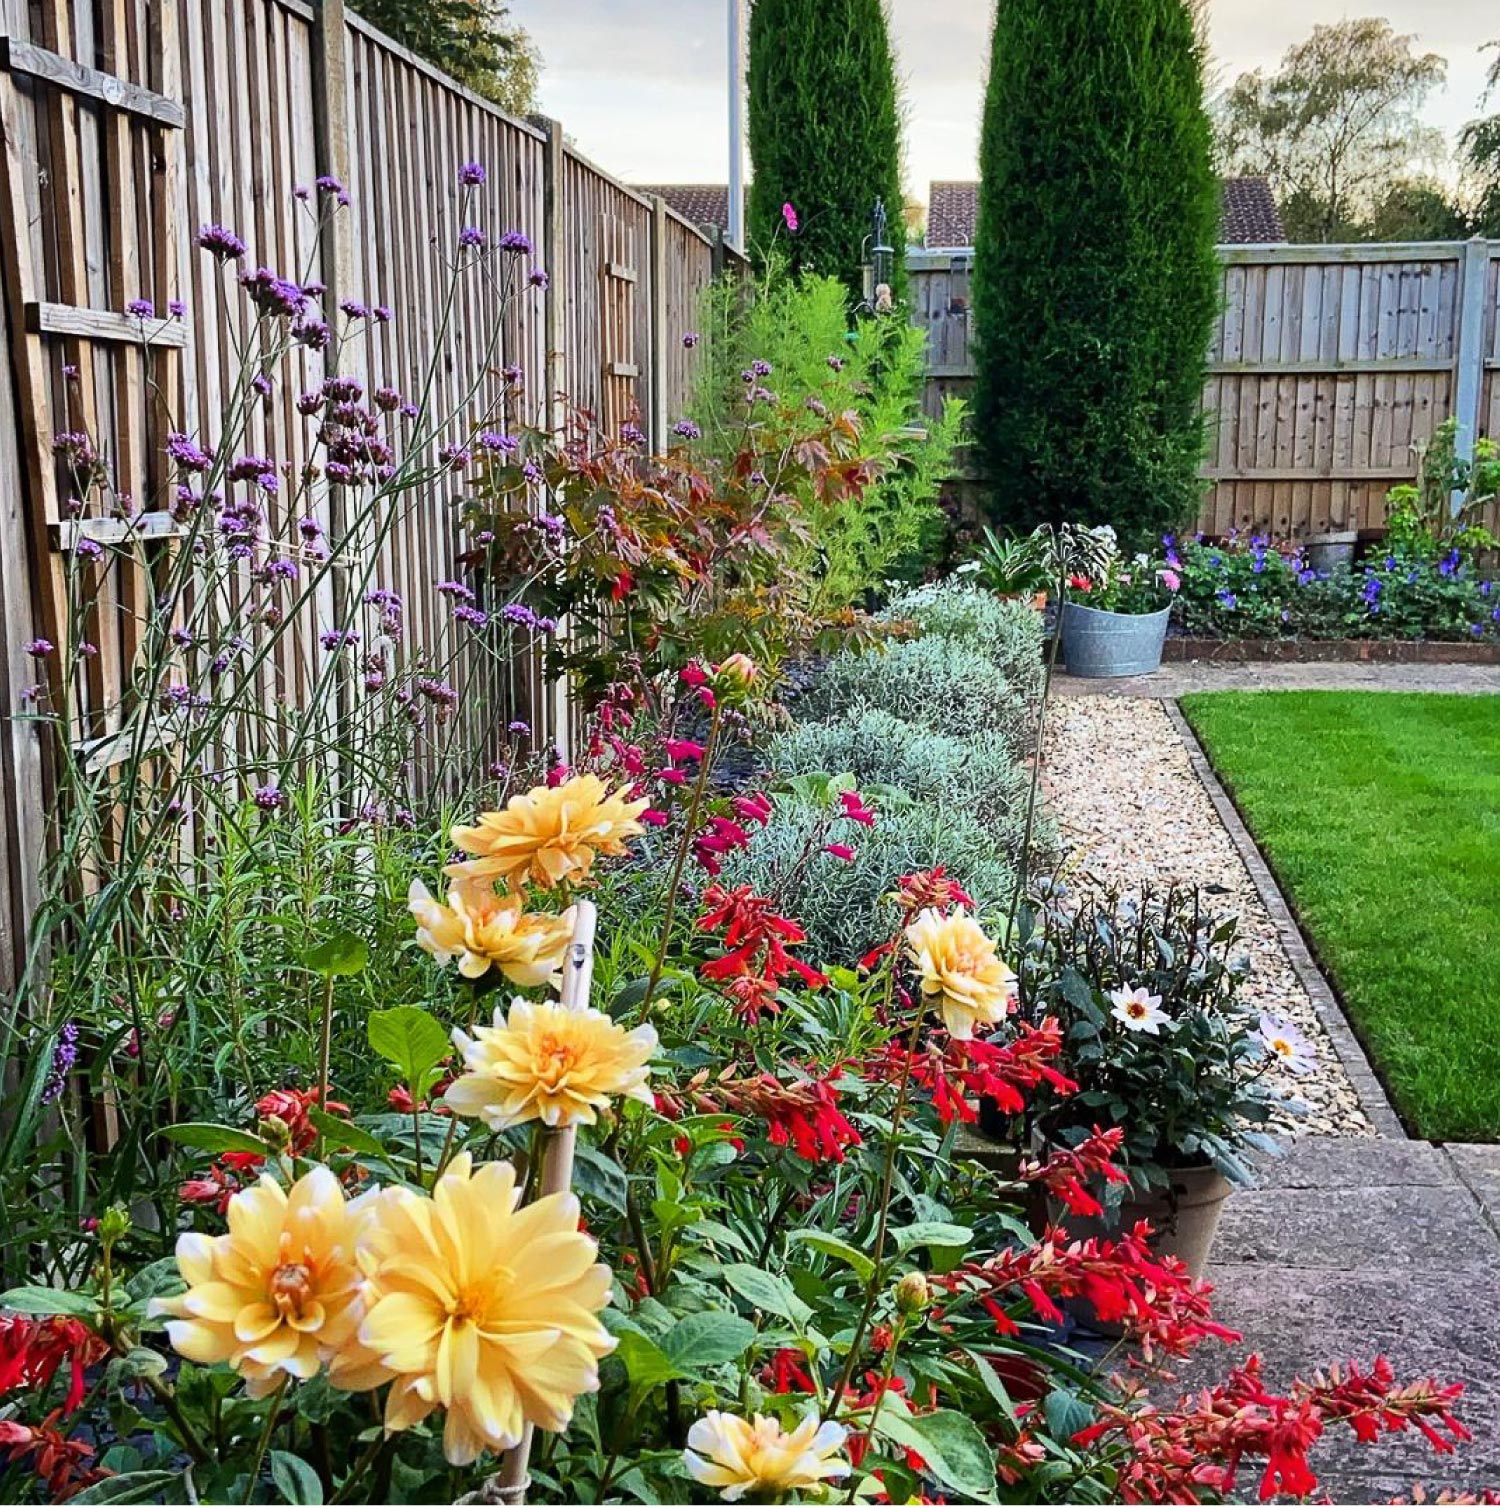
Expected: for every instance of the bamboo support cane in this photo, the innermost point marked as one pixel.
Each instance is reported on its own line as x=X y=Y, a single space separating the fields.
x=509 y=1484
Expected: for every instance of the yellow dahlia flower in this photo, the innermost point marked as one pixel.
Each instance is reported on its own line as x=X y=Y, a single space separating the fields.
x=481 y=929
x=960 y=970
x=479 y=1308
x=545 y=1062
x=549 y=835
x=279 y=1294
x=739 y=1456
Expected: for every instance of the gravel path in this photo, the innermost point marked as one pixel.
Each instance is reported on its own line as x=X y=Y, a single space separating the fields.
x=1130 y=810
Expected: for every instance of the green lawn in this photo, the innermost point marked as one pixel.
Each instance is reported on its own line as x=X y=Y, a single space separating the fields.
x=1380 y=814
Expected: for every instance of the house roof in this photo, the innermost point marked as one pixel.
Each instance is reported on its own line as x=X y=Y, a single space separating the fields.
x=701 y=203
x=1250 y=212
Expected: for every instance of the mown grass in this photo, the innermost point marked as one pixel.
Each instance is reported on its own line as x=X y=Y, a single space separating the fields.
x=1380 y=814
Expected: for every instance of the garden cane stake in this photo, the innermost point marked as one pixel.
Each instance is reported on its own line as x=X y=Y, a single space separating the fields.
x=509 y=1484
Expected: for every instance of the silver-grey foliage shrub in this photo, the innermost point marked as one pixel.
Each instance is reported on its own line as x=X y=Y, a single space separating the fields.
x=843 y=905
x=979 y=776
x=943 y=684
x=1008 y=634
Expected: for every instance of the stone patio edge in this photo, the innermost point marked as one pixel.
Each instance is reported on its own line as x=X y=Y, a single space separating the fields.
x=1372 y=1096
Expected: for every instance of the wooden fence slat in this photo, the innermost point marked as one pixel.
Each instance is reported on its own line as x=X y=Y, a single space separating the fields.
x=23 y=57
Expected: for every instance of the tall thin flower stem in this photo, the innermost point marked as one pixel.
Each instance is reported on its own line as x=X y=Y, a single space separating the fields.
x=265 y=1439
x=887 y=1181
x=669 y=910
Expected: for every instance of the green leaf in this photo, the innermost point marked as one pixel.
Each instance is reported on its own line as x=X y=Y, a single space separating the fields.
x=138 y=1362
x=950 y=1443
x=831 y=1246
x=993 y=1385
x=707 y=1339
x=342 y=1133
x=599 y=1177
x=1066 y=1414
x=205 y=1136
x=32 y=1298
x=128 y=1487
x=342 y=953
x=646 y=1364
x=767 y=1291
x=933 y=1233
x=411 y=1039
x=296 y=1481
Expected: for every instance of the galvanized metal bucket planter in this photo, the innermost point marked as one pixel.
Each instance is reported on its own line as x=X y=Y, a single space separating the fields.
x=1096 y=643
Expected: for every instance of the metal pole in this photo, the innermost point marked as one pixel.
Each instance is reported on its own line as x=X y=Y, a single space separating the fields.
x=735 y=230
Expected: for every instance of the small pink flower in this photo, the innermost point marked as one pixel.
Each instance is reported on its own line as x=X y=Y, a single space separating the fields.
x=694 y=675
x=840 y=851
x=679 y=749
x=1171 y=580
x=855 y=809
x=653 y=818
x=789 y=217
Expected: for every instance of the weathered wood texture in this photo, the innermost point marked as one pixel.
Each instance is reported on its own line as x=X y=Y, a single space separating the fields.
x=1328 y=364
x=128 y=124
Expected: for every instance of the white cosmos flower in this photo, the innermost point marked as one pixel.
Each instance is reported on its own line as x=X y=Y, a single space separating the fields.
x=1138 y=1011
x=1286 y=1044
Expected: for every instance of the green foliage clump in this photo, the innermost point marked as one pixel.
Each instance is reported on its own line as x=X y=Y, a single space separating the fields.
x=824 y=133
x=874 y=371
x=843 y=906
x=1095 y=279
x=473 y=40
x=978 y=775
x=935 y=682
x=1009 y=634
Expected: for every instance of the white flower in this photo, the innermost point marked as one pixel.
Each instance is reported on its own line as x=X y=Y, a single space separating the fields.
x=1285 y=1043
x=756 y=1455
x=966 y=569
x=1138 y=1011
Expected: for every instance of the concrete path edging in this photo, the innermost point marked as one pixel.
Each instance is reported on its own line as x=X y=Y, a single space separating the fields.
x=1372 y=1096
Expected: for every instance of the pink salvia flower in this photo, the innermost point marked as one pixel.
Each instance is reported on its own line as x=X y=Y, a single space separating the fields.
x=855 y=809
x=789 y=217
x=679 y=749
x=840 y=851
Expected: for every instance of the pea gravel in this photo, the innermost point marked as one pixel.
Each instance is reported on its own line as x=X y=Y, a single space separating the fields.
x=1130 y=811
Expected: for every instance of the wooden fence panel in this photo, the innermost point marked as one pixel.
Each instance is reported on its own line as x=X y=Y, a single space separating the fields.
x=1328 y=364
x=127 y=125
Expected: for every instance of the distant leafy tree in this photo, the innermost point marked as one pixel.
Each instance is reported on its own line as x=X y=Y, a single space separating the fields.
x=824 y=133
x=473 y=40
x=1414 y=210
x=1095 y=279
x=1480 y=145
x=1337 y=127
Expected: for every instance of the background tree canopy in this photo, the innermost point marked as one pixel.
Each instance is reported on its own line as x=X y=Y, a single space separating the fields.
x=1338 y=131
x=473 y=40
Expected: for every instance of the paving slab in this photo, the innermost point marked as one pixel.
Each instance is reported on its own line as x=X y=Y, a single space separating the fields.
x=1428 y=1322
x=1336 y=1162
x=1478 y=1167
x=1172 y=681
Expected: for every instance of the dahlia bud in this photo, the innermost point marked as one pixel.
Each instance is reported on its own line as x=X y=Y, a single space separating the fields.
x=113 y=1224
x=912 y=1293
x=735 y=676
x=275 y=1131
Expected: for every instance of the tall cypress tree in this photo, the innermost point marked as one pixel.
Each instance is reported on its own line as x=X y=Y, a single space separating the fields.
x=825 y=132
x=1095 y=281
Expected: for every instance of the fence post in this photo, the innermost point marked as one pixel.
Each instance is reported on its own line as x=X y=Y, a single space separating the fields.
x=555 y=366
x=1468 y=353
x=330 y=57
x=658 y=370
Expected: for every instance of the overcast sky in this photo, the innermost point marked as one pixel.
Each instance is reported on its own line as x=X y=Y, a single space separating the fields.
x=640 y=84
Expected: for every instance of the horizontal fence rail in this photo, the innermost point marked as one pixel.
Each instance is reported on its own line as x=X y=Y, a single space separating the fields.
x=127 y=126
x=1328 y=365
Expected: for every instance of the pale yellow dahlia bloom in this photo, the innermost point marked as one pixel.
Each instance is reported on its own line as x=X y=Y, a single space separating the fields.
x=739 y=1455
x=549 y=835
x=479 y=1308
x=960 y=970
x=280 y=1294
x=482 y=930
x=546 y=1062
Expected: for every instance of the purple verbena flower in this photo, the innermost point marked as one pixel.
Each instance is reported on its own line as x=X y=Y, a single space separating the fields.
x=222 y=243
x=472 y=174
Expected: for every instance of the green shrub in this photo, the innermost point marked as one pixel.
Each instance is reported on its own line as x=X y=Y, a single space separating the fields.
x=824 y=133
x=936 y=682
x=875 y=370
x=977 y=775
x=1095 y=280
x=1009 y=634
x=842 y=905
